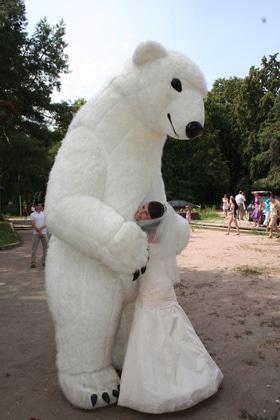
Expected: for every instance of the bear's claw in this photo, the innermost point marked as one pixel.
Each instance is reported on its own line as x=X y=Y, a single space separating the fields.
x=105 y=397
x=143 y=269
x=116 y=393
x=93 y=400
x=137 y=273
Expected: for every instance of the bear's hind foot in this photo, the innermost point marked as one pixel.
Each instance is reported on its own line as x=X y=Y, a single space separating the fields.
x=91 y=390
x=105 y=396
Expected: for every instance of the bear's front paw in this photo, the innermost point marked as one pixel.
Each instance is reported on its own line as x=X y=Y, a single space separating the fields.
x=129 y=247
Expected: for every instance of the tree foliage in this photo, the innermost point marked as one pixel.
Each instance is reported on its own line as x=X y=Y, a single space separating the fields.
x=193 y=169
x=265 y=165
x=30 y=70
x=63 y=114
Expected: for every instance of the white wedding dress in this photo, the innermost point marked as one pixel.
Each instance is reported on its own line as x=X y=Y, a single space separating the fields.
x=166 y=366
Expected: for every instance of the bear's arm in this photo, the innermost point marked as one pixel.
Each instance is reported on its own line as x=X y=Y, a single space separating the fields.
x=77 y=215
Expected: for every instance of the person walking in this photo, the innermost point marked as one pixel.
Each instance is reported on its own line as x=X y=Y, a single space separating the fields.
x=233 y=215
x=240 y=201
x=225 y=205
x=189 y=216
x=39 y=233
x=274 y=209
x=25 y=211
x=245 y=207
x=267 y=212
x=257 y=213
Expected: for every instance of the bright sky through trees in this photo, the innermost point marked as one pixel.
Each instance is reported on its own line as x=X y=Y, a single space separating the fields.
x=224 y=37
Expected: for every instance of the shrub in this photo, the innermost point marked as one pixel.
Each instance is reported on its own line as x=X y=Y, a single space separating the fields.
x=7 y=234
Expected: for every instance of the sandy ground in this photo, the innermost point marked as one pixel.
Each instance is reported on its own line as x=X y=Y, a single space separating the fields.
x=230 y=291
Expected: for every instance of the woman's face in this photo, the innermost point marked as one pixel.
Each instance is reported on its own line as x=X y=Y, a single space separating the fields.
x=142 y=212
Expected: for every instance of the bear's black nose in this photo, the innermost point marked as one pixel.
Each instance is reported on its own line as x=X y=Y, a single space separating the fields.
x=194 y=129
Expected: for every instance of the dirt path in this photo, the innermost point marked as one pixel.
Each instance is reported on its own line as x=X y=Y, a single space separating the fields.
x=230 y=291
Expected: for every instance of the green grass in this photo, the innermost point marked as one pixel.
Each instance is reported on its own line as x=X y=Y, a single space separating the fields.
x=247 y=270
x=209 y=213
x=7 y=235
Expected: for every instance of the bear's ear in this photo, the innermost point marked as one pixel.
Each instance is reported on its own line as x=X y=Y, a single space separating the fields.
x=148 y=51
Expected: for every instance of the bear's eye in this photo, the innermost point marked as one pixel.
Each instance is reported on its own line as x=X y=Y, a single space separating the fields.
x=176 y=84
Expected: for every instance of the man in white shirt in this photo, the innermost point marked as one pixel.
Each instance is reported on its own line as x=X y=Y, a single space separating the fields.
x=39 y=233
x=240 y=201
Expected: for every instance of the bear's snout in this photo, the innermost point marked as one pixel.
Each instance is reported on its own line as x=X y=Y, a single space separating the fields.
x=194 y=129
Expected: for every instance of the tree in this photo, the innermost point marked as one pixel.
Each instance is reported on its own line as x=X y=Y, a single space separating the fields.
x=265 y=166
x=195 y=170
x=220 y=120
x=238 y=110
x=240 y=147
x=63 y=114
x=257 y=96
x=30 y=70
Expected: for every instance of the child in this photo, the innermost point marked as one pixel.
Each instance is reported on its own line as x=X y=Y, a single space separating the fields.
x=189 y=216
x=225 y=205
x=166 y=366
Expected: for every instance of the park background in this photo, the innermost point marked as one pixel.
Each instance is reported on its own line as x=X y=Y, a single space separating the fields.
x=55 y=55
x=229 y=284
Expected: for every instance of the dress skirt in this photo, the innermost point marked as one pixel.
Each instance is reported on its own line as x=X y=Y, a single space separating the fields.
x=166 y=368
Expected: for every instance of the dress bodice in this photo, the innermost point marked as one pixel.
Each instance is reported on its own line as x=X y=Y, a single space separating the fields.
x=156 y=285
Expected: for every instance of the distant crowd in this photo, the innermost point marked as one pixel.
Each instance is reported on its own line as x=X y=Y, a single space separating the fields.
x=263 y=212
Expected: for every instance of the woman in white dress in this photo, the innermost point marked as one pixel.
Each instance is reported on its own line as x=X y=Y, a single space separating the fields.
x=225 y=205
x=166 y=366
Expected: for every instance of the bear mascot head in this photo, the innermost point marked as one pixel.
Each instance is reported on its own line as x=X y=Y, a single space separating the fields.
x=108 y=163
x=162 y=93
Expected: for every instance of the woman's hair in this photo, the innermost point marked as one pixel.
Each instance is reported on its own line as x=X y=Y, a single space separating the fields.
x=235 y=205
x=156 y=209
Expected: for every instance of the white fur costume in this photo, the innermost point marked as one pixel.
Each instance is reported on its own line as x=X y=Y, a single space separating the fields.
x=109 y=161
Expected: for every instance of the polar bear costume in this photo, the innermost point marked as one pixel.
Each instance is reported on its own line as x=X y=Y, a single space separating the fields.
x=109 y=162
